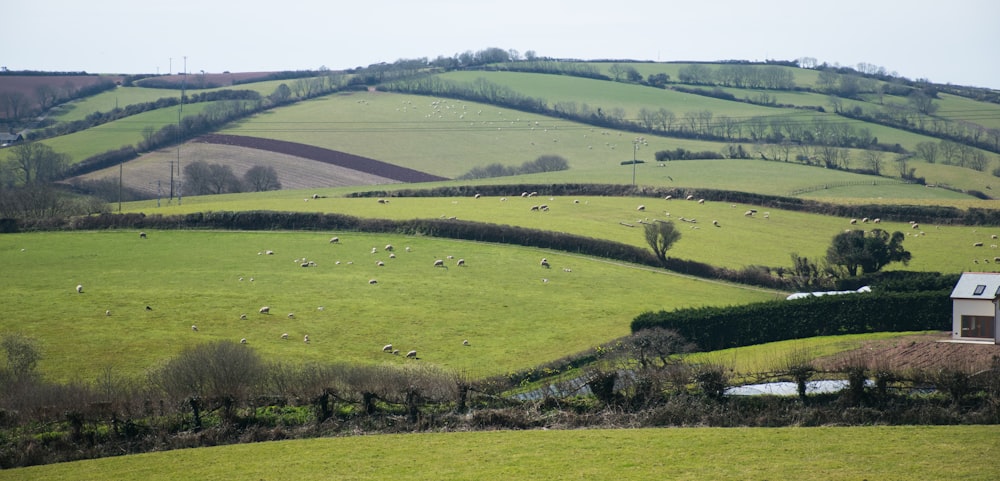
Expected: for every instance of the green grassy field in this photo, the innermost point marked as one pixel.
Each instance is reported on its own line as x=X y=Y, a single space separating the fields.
x=739 y=241
x=514 y=313
x=800 y=454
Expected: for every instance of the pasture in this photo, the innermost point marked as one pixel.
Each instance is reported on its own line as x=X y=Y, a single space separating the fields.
x=738 y=241
x=800 y=454
x=515 y=313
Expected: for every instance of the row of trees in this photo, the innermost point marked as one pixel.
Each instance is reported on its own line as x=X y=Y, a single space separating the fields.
x=18 y=106
x=203 y=178
x=544 y=163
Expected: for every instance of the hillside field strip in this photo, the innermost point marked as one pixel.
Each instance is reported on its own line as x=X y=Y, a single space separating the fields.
x=799 y=454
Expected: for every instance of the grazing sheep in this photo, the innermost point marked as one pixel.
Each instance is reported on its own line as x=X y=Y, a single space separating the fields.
x=335 y=240
x=412 y=354
x=864 y=220
x=854 y=221
x=265 y=310
x=994 y=236
x=576 y=201
x=407 y=249
x=305 y=339
x=690 y=197
x=543 y=208
x=534 y=208
x=379 y=263
x=243 y=341
x=269 y=253
x=392 y=256
x=668 y=197
x=545 y=263
x=767 y=215
x=465 y=342
x=291 y=315
x=387 y=348
x=372 y=281
x=977 y=244
x=915 y=225
x=395 y=352
x=716 y=223
x=284 y=336
x=107 y=313
x=374 y=250
x=79 y=288
x=476 y=196
x=148 y=308
x=389 y=248
x=701 y=201
x=749 y=213
x=460 y=263
x=194 y=328
x=439 y=263
x=142 y=235
x=876 y=221
x=641 y=207
x=383 y=201
x=243 y=317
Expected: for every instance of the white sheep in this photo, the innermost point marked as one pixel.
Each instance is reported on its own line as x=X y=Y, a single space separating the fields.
x=407 y=249
x=372 y=281
x=291 y=315
x=383 y=201
x=79 y=288
x=194 y=328
x=877 y=220
x=265 y=310
x=142 y=235
x=284 y=336
x=641 y=207
x=389 y=248
x=305 y=339
x=465 y=342
x=374 y=250
x=716 y=223
x=269 y=253
x=392 y=256
x=335 y=240
x=380 y=263
x=439 y=263
x=412 y=354
x=243 y=341
x=243 y=317
x=107 y=313
x=387 y=348
x=395 y=352
x=544 y=263
x=854 y=221
x=460 y=263
x=701 y=201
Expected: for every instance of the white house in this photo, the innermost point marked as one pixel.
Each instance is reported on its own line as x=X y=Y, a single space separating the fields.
x=975 y=305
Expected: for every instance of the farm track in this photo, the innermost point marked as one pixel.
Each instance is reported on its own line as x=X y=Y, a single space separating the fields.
x=332 y=157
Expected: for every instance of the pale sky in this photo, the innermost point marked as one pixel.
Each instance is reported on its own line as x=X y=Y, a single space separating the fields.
x=952 y=41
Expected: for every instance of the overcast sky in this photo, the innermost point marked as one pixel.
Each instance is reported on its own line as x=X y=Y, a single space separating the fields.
x=953 y=41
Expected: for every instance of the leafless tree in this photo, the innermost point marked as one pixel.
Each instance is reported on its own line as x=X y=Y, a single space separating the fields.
x=260 y=178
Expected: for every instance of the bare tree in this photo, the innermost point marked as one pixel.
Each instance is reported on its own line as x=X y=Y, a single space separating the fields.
x=873 y=158
x=260 y=178
x=661 y=236
x=927 y=151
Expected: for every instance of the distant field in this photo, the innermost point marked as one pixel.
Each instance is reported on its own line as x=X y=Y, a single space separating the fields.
x=515 y=313
x=799 y=454
x=738 y=242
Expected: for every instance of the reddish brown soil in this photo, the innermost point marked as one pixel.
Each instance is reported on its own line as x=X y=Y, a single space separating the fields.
x=925 y=352
x=333 y=157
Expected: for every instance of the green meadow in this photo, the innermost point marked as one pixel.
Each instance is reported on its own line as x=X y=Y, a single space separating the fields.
x=514 y=313
x=799 y=454
x=737 y=242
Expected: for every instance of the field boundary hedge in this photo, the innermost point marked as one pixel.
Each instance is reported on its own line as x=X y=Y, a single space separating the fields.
x=715 y=328
x=928 y=214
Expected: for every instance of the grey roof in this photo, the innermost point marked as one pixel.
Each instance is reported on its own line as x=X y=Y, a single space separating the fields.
x=986 y=283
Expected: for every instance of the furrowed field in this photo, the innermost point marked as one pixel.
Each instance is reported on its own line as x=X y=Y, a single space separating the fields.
x=515 y=313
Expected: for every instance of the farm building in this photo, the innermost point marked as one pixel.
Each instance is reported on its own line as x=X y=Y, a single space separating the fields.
x=975 y=305
x=10 y=138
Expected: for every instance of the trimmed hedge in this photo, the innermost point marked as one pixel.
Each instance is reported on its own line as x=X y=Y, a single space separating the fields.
x=714 y=328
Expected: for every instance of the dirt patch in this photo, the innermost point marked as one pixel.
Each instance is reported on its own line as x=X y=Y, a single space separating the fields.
x=923 y=352
x=332 y=157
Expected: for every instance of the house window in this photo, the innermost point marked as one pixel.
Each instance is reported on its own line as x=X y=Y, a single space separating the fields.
x=977 y=326
x=979 y=290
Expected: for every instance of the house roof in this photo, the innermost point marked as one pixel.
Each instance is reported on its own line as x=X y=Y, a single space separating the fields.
x=977 y=285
